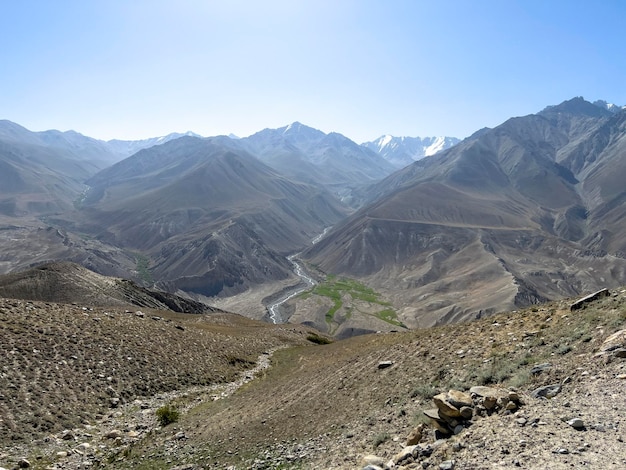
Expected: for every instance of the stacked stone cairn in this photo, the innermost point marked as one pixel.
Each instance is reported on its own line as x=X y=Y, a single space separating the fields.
x=455 y=410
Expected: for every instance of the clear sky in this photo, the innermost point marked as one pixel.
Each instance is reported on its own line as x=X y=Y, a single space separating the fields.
x=133 y=69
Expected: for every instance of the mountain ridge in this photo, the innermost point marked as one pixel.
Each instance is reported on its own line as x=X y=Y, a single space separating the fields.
x=508 y=189
x=402 y=151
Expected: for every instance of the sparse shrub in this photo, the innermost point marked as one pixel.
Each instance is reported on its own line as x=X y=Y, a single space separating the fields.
x=380 y=439
x=519 y=379
x=425 y=391
x=317 y=339
x=167 y=415
x=563 y=349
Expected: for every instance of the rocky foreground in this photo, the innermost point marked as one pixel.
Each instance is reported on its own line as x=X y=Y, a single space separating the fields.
x=540 y=388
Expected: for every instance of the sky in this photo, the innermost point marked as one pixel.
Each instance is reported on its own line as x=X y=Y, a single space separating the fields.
x=132 y=69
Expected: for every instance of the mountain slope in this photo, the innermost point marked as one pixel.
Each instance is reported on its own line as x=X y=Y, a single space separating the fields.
x=65 y=282
x=310 y=155
x=212 y=218
x=506 y=218
x=43 y=172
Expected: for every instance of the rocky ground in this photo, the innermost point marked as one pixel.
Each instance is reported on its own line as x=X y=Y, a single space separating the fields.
x=353 y=404
x=71 y=373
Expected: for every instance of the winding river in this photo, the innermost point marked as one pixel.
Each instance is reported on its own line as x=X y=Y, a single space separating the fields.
x=301 y=273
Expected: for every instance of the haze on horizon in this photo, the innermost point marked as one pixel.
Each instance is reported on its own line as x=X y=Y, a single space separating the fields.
x=130 y=70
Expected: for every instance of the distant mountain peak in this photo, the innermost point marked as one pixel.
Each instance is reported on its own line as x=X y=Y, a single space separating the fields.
x=577 y=105
x=613 y=108
x=402 y=151
x=297 y=128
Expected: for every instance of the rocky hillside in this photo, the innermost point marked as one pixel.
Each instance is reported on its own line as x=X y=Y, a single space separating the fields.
x=68 y=366
x=525 y=212
x=550 y=389
x=65 y=282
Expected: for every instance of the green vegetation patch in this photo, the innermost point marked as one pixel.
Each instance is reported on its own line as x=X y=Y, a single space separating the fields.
x=167 y=415
x=143 y=268
x=335 y=288
x=317 y=339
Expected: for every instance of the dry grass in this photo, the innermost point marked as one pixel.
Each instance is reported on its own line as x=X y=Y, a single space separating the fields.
x=331 y=400
x=61 y=364
x=336 y=397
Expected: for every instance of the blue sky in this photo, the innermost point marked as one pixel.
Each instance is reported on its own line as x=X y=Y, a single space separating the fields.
x=132 y=69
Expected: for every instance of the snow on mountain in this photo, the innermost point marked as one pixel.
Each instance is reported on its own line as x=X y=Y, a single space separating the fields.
x=609 y=106
x=126 y=148
x=402 y=151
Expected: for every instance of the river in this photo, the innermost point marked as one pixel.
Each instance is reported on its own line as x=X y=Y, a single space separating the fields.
x=302 y=274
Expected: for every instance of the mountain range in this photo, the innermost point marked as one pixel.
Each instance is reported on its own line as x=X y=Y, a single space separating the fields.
x=528 y=211
x=402 y=151
x=441 y=230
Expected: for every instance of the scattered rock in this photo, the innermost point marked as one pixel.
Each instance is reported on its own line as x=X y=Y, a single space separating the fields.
x=385 y=364
x=547 y=391
x=404 y=456
x=373 y=460
x=539 y=368
x=447 y=465
x=114 y=434
x=415 y=436
x=576 y=423
x=23 y=463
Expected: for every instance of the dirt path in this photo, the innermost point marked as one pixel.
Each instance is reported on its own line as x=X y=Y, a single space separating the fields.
x=125 y=426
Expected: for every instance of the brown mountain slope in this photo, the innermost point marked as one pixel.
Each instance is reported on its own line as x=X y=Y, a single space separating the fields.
x=67 y=282
x=211 y=218
x=506 y=218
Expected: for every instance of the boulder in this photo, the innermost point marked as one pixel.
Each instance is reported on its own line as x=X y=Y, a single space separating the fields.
x=539 y=368
x=415 y=436
x=580 y=303
x=373 y=460
x=547 y=391
x=483 y=391
x=445 y=407
x=404 y=456
x=459 y=399
x=576 y=423
x=466 y=412
x=436 y=420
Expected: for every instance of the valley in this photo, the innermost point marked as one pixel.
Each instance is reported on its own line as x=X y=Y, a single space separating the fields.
x=526 y=212
x=293 y=300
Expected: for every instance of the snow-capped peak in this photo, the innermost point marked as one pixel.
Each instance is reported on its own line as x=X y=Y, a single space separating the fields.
x=401 y=151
